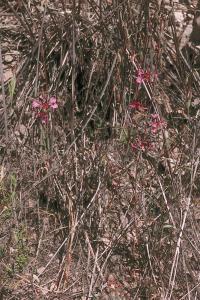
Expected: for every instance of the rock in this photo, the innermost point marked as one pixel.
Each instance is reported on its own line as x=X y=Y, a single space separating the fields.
x=8 y=58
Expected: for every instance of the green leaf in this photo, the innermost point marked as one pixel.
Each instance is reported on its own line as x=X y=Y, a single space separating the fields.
x=11 y=86
x=127 y=134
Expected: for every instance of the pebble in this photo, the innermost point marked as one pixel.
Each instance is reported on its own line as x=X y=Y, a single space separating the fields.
x=8 y=58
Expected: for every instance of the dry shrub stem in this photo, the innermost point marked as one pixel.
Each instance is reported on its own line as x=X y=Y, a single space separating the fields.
x=3 y=97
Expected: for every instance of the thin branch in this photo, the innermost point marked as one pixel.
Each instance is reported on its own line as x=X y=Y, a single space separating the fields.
x=3 y=97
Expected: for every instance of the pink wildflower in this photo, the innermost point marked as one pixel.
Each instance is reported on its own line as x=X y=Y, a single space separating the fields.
x=53 y=103
x=45 y=106
x=141 y=145
x=41 y=106
x=36 y=104
x=157 y=124
x=140 y=76
x=155 y=116
x=137 y=105
x=145 y=76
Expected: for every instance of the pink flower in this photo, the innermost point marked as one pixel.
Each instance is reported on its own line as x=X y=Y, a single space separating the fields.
x=42 y=106
x=53 y=103
x=157 y=124
x=45 y=106
x=141 y=145
x=140 y=76
x=145 y=76
x=155 y=116
x=137 y=105
x=36 y=103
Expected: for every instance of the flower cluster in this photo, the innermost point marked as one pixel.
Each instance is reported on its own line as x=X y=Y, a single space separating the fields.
x=147 y=129
x=42 y=106
x=135 y=104
x=144 y=75
x=156 y=123
x=141 y=145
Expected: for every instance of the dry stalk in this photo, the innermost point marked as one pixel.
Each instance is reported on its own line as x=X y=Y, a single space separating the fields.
x=3 y=97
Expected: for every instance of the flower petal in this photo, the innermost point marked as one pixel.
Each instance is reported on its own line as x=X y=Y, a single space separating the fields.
x=53 y=102
x=155 y=116
x=36 y=104
x=135 y=104
x=139 y=79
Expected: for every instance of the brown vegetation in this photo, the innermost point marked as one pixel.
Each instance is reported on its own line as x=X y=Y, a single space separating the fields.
x=101 y=198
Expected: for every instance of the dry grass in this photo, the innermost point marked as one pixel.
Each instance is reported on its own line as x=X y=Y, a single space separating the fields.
x=84 y=215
